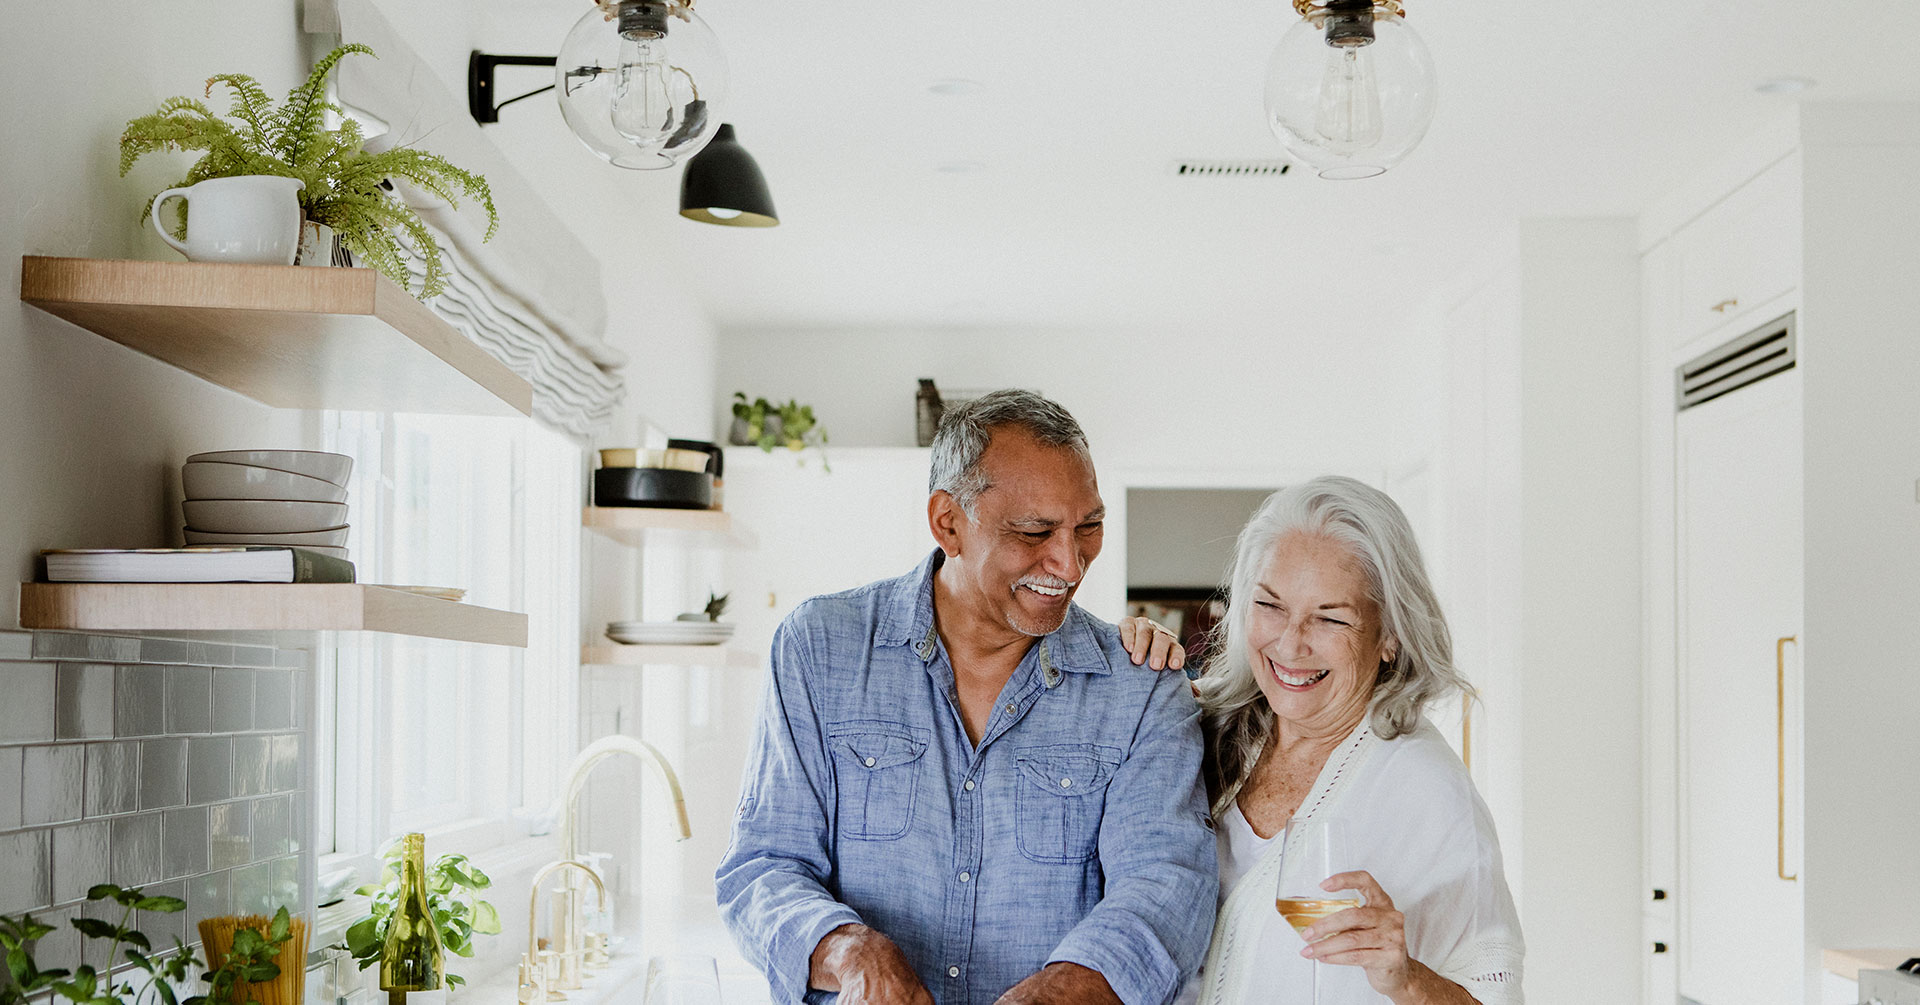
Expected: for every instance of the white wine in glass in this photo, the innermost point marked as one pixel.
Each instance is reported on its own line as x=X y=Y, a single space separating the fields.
x=1313 y=850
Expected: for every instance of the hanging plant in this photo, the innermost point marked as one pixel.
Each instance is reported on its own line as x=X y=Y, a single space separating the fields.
x=344 y=186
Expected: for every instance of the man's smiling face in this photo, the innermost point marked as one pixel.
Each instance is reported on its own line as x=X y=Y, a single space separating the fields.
x=1035 y=530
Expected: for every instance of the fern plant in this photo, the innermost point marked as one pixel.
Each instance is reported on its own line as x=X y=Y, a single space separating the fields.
x=344 y=186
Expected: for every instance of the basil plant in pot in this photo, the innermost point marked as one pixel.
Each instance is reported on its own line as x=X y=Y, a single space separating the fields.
x=453 y=888
x=344 y=186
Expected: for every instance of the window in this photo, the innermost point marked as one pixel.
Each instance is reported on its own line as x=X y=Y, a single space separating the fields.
x=443 y=737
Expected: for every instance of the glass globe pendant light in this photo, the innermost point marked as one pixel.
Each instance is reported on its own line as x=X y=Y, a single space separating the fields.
x=642 y=82
x=1350 y=88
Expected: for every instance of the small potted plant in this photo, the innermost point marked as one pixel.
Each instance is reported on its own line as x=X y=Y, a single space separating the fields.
x=344 y=187
x=760 y=423
x=453 y=886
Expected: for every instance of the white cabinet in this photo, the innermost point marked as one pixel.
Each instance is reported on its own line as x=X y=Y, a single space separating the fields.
x=1738 y=563
x=1732 y=265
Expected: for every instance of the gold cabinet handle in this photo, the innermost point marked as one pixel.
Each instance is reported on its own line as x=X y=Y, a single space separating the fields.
x=1726 y=305
x=1780 y=743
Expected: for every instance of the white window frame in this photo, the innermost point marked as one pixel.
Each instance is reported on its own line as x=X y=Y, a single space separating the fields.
x=537 y=513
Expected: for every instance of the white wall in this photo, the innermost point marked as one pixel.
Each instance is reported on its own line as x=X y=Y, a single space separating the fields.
x=1861 y=379
x=1534 y=474
x=94 y=432
x=1580 y=609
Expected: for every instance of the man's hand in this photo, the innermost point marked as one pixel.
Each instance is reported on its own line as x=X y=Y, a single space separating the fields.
x=866 y=968
x=1061 y=984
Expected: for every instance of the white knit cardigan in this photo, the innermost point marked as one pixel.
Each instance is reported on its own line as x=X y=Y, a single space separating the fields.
x=1413 y=819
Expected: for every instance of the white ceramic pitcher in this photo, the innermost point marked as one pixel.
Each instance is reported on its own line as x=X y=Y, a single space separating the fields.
x=251 y=219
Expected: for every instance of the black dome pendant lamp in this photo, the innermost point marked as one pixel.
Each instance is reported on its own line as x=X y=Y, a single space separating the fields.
x=723 y=185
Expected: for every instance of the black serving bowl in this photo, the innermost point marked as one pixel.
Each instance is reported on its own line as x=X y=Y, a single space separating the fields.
x=665 y=487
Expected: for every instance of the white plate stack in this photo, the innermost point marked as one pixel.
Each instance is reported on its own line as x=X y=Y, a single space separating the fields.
x=669 y=633
x=290 y=498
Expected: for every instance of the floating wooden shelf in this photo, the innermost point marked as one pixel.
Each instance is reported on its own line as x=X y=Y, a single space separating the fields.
x=614 y=654
x=198 y=607
x=629 y=524
x=287 y=336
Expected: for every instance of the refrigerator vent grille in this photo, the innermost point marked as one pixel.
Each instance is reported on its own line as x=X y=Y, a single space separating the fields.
x=1769 y=349
x=1231 y=169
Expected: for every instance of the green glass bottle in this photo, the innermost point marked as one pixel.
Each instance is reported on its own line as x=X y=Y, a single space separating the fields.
x=410 y=958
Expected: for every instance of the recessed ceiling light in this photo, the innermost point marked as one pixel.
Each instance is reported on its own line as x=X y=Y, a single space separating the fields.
x=953 y=87
x=1784 y=85
x=960 y=167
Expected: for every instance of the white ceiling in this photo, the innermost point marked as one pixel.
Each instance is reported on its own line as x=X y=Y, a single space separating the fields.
x=1546 y=109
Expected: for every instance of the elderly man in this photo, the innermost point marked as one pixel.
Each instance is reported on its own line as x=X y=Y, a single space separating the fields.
x=961 y=789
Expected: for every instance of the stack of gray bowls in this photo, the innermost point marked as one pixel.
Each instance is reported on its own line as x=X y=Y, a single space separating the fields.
x=294 y=498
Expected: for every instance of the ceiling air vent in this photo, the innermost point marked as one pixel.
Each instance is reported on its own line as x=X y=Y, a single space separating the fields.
x=1755 y=356
x=1231 y=169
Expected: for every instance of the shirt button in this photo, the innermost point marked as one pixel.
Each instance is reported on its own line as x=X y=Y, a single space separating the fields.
x=969 y=785
x=1066 y=783
x=1009 y=708
x=953 y=971
x=966 y=877
x=869 y=762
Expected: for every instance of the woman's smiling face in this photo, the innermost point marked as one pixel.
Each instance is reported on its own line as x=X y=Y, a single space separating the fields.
x=1314 y=636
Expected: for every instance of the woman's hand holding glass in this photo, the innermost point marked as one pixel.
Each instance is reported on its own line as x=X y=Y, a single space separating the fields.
x=1372 y=936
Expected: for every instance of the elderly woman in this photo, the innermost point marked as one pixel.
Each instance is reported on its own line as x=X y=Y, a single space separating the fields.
x=1332 y=645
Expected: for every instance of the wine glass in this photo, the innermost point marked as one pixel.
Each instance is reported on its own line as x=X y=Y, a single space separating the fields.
x=682 y=980
x=1312 y=852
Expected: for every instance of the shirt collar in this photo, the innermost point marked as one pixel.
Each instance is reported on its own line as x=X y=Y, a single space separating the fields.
x=906 y=619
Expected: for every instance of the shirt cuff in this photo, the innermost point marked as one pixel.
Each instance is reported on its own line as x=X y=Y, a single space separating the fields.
x=790 y=958
x=1133 y=963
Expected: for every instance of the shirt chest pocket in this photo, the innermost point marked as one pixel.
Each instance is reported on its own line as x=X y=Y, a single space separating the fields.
x=1060 y=794
x=877 y=767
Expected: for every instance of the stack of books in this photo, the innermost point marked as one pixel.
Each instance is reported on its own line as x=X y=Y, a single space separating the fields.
x=197 y=565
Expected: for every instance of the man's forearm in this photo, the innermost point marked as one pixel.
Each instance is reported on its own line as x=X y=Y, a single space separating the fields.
x=1062 y=984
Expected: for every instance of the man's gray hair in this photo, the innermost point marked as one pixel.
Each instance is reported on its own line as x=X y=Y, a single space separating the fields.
x=966 y=430
x=1370 y=525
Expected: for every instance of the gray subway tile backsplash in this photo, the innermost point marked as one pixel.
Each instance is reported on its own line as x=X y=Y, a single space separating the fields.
x=252 y=765
x=85 y=648
x=229 y=835
x=171 y=764
x=83 y=704
x=16 y=645
x=209 y=768
x=284 y=775
x=10 y=762
x=272 y=699
x=189 y=700
x=184 y=841
x=163 y=773
x=140 y=701
x=272 y=827
x=26 y=871
x=53 y=780
x=254 y=656
x=232 y=700
x=79 y=859
x=137 y=851
x=113 y=778
x=27 y=714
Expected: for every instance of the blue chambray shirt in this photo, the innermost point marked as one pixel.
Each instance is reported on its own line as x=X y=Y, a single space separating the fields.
x=1076 y=831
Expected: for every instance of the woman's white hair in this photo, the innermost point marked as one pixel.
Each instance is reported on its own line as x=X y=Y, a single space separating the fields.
x=1371 y=526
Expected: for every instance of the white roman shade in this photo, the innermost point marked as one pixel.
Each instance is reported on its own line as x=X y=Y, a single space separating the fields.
x=531 y=296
